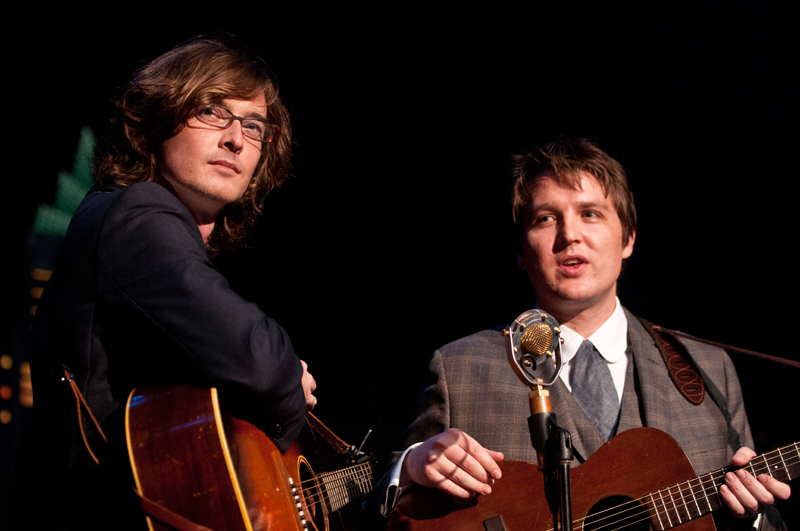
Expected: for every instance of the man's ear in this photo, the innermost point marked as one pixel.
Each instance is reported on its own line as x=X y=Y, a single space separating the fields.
x=627 y=249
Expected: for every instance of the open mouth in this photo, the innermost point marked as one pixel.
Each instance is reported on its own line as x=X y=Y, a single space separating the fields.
x=572 y=264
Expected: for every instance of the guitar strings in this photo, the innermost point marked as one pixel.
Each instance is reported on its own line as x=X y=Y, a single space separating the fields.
x=758 y=465
x=337 y=501
x=340 y=478
x=357 y=478
x=667 y=522
x=345 y=473
x=632 y=504
x=333 y=491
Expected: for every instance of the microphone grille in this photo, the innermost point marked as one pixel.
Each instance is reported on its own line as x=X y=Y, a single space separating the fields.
x=536 y=339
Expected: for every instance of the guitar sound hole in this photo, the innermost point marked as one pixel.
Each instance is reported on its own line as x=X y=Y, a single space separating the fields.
x=617 y=513
x=314 y=498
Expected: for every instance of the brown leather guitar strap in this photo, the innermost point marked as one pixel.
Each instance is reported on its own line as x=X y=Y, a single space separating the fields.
x=80 y=401
x=339 y=445
x=683 y=373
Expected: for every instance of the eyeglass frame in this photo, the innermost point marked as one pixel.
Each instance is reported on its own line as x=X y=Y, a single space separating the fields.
x=274 y=128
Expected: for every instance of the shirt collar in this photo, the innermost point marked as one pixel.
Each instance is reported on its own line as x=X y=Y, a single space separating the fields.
x=610 y=340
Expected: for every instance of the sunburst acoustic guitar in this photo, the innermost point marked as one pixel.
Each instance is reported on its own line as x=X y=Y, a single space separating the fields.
x=222 y=473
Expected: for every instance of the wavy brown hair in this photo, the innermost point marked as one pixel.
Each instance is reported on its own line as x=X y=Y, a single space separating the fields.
x=564 y=159
x=162 y=95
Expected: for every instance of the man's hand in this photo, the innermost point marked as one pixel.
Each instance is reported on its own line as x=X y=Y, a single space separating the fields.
x=452 y=462
x=747 y=496
x=309 y=384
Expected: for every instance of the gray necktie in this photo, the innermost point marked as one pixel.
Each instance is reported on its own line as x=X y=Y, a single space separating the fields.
x=593 y=389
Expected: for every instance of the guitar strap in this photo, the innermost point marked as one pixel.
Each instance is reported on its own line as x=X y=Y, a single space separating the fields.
x=684 y=375
x=80 y=401
x=339 y=445
x=671 y=350
x=658 y=331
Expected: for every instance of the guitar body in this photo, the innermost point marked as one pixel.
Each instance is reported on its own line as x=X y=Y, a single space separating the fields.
x=628 y=467
x=219 y=471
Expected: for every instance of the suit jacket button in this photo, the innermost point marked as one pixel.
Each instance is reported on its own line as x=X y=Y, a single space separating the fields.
x=278 y=431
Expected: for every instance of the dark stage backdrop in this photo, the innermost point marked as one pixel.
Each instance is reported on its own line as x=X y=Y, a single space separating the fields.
x=393 y=236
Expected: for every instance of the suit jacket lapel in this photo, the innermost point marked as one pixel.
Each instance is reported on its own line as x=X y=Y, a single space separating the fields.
x=650 y=368
x=562 y=400
x=630 y=412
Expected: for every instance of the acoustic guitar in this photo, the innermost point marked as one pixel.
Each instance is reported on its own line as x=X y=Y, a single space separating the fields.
x=223 y=473
x=637 y=480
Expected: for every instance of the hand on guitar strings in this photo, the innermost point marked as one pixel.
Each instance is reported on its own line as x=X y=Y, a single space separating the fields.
x=309 y=385
x=452 y=462
x=747 y=496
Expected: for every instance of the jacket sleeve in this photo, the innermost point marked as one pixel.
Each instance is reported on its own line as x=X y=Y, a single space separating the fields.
x=770 y=519
x=166 y=314
x=723 y=385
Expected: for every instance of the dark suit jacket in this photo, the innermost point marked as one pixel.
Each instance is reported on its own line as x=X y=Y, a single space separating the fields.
x=134 y=300
x=471 y=387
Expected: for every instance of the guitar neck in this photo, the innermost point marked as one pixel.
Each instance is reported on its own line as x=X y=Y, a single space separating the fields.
x=691 y=499
x=343 y=486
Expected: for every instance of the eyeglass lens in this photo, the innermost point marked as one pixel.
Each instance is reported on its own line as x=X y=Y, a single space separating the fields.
x=220 y=117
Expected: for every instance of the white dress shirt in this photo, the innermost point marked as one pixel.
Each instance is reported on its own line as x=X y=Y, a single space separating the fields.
x=610 y=340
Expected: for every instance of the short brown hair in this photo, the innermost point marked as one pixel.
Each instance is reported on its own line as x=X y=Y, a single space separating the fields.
x=162 y=95
x=565 y=159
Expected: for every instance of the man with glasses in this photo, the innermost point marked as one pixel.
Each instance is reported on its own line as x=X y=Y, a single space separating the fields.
x=198 y=139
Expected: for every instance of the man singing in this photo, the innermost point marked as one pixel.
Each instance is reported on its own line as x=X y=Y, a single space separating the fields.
x=577 y=225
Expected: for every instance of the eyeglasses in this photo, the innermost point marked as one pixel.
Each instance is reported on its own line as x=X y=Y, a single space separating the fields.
x=254 y=128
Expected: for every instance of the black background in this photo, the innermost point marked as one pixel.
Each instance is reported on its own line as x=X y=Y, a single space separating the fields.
x=393 y=236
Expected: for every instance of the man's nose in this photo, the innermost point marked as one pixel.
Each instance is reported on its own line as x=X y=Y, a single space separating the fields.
x=567 y=231
x=233 y=136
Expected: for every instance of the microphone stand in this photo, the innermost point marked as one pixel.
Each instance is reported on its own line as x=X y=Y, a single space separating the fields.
x=553 y=446
x=534 y=334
